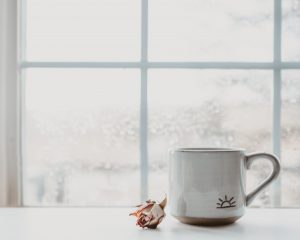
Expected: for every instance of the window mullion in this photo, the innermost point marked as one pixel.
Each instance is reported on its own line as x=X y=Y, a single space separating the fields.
x=276 y=189
x=145 y=64
x=143 y=104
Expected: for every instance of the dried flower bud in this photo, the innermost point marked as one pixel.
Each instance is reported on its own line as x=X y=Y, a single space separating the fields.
x=150 y=214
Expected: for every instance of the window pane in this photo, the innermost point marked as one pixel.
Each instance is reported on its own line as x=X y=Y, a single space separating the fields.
x=208 y=108
x=291 y=30
x=290 y=138
x=81 y=143
x=89 y=30
x=191 y=30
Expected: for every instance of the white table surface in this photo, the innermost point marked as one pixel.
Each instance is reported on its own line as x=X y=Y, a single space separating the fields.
x=114 y=223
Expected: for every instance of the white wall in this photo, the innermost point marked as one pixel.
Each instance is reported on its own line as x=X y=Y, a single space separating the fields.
x=2 y=107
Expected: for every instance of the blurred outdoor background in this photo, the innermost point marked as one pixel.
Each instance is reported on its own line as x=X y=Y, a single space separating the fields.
x=81 y=126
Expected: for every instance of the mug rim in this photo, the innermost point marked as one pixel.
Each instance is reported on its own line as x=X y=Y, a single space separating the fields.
x=208 y=149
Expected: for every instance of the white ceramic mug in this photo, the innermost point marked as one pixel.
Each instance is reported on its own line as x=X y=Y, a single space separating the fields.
x=207 y=185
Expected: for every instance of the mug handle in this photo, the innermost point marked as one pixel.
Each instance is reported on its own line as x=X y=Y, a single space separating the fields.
x=250 y=158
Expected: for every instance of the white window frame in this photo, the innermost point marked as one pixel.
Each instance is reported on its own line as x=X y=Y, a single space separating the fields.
x=10 y=164
x=10 y=99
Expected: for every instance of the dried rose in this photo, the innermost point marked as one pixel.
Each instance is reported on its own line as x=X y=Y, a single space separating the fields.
x=150 y=214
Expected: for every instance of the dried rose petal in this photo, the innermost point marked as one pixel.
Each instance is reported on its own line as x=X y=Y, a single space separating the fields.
x=150 y=214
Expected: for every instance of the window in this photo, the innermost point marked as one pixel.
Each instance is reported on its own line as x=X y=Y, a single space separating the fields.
x=108 y=86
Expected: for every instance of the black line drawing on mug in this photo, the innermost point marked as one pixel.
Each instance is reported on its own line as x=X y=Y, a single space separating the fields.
x=226 y=203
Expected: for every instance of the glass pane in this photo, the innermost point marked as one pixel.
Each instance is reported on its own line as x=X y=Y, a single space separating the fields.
x=76 y=30
x=290 y=138
x=291 y=30
x=208 y=108
x=191 y=30
x=81 y=140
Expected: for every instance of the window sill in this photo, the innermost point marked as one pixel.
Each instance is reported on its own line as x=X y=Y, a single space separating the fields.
x=114 y=223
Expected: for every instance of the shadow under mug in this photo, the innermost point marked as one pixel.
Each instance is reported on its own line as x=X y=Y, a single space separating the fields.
x=207 y=186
